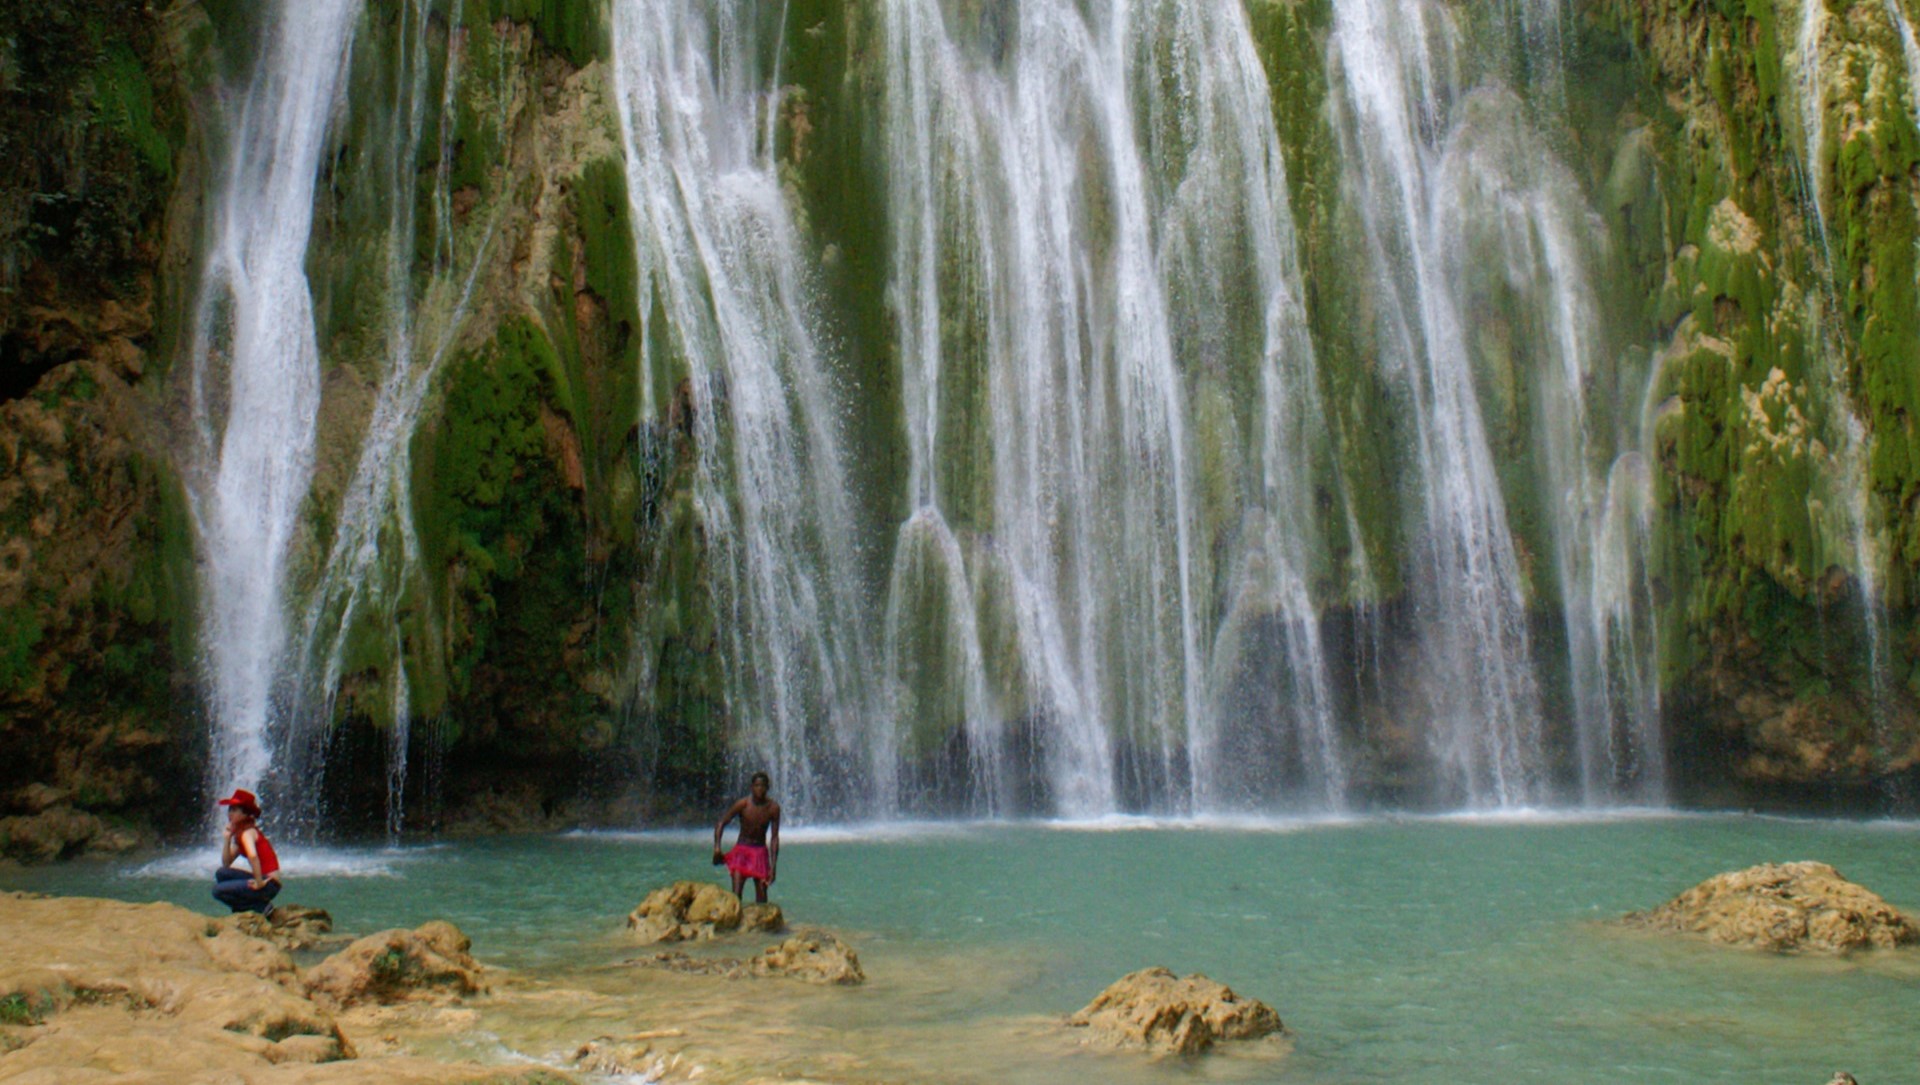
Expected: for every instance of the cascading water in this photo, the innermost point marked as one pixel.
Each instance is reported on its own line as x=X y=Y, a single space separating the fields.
x=374 y=560
x=1084 y=205
x=1399 y=68
x=255 y=380
x=718 y=249
x=1475 y=231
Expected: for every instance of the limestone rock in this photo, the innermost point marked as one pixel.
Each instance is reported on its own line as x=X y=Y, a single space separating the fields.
x=811 y=956
x=53 y=833
x=293 y=927
x=116 y=986
x=396 y=965
x=1156 y=1010
x=1784 y=907
x=297 y=926
x=633 y=1057
x=685 y=912
x=762 y=919
x=35 y=798
x=815 y=956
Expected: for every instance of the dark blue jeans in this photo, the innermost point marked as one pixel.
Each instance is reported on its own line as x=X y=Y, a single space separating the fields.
x=230 y=888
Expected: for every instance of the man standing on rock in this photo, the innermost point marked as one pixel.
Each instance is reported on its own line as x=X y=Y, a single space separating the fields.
x=756 y=854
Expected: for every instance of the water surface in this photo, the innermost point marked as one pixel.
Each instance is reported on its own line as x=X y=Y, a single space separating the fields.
x=1421 y=951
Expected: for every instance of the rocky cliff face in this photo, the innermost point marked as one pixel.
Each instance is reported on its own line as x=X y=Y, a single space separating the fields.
x=1767 y=178
x=550 y=642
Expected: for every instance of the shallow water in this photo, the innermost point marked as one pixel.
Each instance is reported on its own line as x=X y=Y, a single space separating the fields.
x=1451 y=950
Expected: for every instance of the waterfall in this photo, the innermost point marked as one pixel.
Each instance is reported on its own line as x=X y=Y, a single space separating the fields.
x=1090 y=228
x=1398 y=65
x=255 y=380
x=1477 y=244
x=373 y=563
x=718 y=249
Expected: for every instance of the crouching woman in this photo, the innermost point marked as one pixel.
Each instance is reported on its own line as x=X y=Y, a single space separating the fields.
x=250 y=890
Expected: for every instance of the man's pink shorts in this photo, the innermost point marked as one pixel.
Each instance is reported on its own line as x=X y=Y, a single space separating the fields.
x=748 y=861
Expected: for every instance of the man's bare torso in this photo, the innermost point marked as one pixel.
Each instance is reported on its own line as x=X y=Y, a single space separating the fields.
x=754 y=820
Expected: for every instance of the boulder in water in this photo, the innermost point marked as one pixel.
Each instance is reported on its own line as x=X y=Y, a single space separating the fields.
x=1163 y=1013
x=762 y=919
x=814 y=956
x=398 y=965
x=685 y=912
x=1784 y=907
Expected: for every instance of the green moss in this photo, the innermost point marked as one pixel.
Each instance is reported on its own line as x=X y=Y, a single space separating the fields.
x=604 y=220
x=18 y=1009
x=833 y=158
x=575 y=29
x=1364 y=413
x=20 y=633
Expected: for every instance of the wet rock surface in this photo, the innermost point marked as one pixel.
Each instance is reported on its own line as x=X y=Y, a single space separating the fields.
x=1784 y=907
x=811 y=956
x=1154 y=1010
x=430 y=961
x=699 y=912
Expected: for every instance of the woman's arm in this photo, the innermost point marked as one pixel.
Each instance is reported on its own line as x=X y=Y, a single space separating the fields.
x=229 y=848
x=773 y=846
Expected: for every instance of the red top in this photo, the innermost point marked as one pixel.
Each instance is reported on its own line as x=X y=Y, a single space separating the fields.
x=269 y=862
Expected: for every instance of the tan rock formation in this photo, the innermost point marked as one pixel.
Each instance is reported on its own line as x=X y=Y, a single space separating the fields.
x=815 y=956
x=397 y=965
x=762 y=919
x=1163 y=1013
x=152 y=994
x=57 y=832
x=687 y=912
x=1784 y=907
x=811 y=956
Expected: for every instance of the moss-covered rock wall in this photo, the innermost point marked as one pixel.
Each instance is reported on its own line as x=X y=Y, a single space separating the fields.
x=552 y=628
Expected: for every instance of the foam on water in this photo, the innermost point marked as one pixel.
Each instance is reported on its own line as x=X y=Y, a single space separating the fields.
x=197 y=864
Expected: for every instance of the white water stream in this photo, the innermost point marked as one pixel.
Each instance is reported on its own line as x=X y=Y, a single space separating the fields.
x=718 y=248
x=256 y=380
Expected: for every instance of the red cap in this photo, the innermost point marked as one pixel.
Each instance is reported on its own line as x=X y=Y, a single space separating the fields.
x=244 y=799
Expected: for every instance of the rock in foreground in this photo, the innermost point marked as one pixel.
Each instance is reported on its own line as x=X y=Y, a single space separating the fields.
x=1784 y=907
x=398 y=964
x=1156 y=1010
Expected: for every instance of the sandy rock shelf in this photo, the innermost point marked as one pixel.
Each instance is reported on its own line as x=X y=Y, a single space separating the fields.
x=132 y=994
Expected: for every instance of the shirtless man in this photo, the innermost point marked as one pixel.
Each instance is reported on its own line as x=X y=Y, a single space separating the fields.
x=756 y=854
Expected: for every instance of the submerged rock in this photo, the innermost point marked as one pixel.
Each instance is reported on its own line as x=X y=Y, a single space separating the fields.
x=1156 y=1010
x=815 y=956
x=812 y=956
x=1784 y=907
x=397 y=965
x=694 y=912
